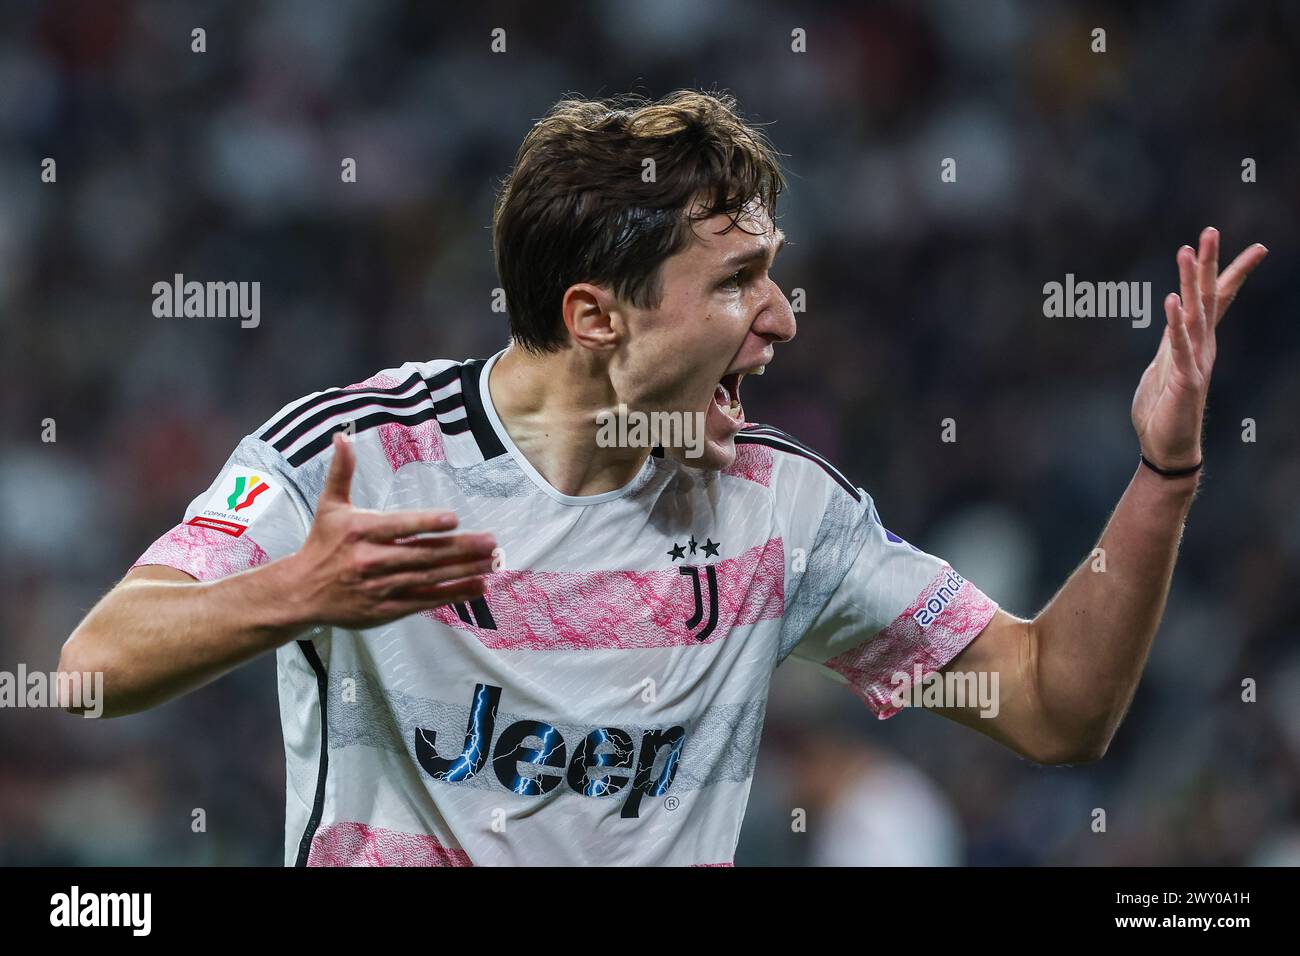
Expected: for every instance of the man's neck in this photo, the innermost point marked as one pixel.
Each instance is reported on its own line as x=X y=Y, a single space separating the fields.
x=548 y=405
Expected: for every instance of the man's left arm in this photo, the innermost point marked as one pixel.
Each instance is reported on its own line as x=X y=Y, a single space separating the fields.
x=1066 y=677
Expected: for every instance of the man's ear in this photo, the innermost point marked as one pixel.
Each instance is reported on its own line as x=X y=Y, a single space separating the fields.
x=592 y=318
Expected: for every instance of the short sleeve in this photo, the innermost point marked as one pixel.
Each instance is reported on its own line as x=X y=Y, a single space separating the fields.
x=872 y=606
x=256 y=510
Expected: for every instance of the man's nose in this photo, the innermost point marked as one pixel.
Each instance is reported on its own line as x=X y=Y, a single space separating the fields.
x=776 y=323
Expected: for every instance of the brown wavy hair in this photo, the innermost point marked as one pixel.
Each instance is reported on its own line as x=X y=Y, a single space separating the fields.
x=575 y=206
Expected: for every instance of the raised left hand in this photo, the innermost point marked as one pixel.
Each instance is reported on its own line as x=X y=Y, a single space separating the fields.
x=1170 y=399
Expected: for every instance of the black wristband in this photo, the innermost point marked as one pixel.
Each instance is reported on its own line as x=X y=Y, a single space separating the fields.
x=1172 y=472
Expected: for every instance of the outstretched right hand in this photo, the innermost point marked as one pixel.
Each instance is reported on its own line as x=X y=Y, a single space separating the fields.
x=353 y=572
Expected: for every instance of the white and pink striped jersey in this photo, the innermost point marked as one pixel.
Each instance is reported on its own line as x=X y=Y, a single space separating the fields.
x=602 y=704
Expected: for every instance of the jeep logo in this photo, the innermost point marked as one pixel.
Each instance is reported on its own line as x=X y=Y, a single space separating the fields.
x=602 y=762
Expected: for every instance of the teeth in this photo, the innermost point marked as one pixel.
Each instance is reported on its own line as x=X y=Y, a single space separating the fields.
x=731 y=403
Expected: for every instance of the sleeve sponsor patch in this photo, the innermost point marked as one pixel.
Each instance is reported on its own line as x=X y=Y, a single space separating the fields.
x=240 y=498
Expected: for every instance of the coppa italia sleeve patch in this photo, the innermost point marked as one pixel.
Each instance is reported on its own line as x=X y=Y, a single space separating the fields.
x=241 y=497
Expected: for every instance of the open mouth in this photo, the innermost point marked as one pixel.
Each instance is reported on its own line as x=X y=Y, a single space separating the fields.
x=726 y=395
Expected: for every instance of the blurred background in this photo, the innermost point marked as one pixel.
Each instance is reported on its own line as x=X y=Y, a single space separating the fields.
x=924 y=302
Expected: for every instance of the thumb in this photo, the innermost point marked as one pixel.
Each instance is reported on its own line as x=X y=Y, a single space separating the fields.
x=339 y=480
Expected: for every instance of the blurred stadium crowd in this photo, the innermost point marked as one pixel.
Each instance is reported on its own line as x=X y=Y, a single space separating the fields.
x=924 y=302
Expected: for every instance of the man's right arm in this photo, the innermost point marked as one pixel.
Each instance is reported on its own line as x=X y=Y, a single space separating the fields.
x=161 y=633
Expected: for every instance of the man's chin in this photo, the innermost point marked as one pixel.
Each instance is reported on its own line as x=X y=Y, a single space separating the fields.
x=715 y=454
x=711 y=444
x=716 y=448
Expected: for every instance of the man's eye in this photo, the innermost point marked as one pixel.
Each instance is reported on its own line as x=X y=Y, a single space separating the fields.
x=733 y=280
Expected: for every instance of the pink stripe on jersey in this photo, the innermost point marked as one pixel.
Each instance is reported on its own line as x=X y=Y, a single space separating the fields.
x=554 y=610
x=378 y=380
x=404 y=444
x=870 y=667
x=753 y=462
x=203 y=553
x=358 y=844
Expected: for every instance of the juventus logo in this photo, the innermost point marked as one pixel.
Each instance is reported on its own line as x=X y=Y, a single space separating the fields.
x=711 y=573
x=710 y=549
x=476 y=613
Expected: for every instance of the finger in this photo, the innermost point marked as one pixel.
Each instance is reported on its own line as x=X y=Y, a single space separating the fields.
x=414 y=581
x=1190 y=292
x=431 y=552
x=1233 y=276
x=452 y=592
x=1162 y=353
x=403 y=558
x=379 y=560
x=339 y=480
x=1207 y=262
x=1180 y=342
x=401 y=524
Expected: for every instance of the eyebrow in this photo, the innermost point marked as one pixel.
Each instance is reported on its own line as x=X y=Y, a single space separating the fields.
x=737 y=259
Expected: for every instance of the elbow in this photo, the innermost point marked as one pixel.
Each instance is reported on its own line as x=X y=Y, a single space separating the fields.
x=1081 y=746
x=81 y=676
x=1070 y=755
x=1067 y=734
